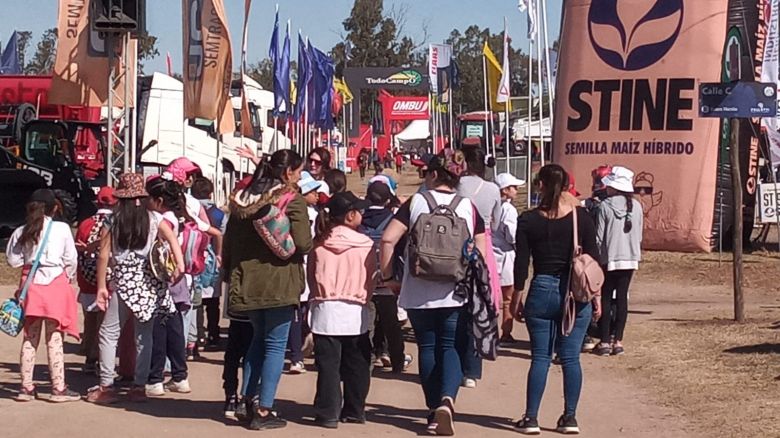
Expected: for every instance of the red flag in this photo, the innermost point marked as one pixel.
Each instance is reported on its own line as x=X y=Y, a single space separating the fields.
x=169 y=63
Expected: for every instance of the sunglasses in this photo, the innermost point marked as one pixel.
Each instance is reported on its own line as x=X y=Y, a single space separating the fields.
x=315 y=161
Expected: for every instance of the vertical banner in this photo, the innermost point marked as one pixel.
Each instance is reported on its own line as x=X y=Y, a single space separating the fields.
x=80 y=75
x=493 y=75
x=769 y=73
x=208 y=63
x=627 y=85
x=246 y=116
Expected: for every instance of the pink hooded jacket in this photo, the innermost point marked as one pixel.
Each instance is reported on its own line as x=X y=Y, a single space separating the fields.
x=344 y=267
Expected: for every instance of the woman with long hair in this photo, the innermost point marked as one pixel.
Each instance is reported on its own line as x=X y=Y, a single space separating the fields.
x=619 y=237
x=264 y=286
x=546 y=235
x=50 y=302
x=318 y=162
x=438 y=315
x=486 y=197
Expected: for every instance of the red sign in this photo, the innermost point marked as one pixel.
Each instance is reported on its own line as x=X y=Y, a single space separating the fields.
x=403 y=107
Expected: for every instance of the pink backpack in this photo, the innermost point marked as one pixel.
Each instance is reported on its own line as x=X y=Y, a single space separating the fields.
x=194 y=246
x=585 y=280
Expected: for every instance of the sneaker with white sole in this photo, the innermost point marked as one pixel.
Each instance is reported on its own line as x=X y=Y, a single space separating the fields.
x=469 y=383
x=528 y=426
x=443 y=417
x=588 y=344
x=155 y=390
x=26 y=395
x=64 y=395
x=567 y=425
x=182 y=387
x=297 y=368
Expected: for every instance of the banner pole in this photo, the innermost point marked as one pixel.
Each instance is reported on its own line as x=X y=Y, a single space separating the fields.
x=528 y=139
x=452 y=122
x=110 y=113
x=550 y=85
x=487 y=112
x=541 y=88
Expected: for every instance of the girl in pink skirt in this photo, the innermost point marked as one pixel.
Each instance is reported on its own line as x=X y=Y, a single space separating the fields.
x=51 y=301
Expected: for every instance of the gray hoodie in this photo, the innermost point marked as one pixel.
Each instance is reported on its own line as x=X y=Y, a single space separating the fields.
x=618 y=249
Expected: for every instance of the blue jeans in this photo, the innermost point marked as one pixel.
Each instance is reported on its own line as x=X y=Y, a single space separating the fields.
x=265 y=359
x=442 y=337
x=543 y=315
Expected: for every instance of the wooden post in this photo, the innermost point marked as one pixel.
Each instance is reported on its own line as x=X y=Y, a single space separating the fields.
x=736 y=187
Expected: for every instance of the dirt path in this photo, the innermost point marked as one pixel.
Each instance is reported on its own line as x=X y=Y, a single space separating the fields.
x=609 y=407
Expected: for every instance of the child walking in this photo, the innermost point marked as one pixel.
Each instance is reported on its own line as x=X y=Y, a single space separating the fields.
x=50 y=301
x=504 y=249
x=342 y=270
x=137 y=294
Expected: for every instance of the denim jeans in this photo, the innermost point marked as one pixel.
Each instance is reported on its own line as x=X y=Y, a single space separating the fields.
x=442 y=337
x=543 y=315
x=265 y=358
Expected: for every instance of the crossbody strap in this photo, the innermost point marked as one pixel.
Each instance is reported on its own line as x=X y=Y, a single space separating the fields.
x=576 y=247
x=36 y=262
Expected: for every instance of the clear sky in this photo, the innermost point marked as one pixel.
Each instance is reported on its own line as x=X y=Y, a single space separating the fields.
x=319 y=19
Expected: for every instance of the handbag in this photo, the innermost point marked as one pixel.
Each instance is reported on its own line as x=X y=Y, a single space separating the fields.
x=274 y=228
x=11 y=312
x=585 y=280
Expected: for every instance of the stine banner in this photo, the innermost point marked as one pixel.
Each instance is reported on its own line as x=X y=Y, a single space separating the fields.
x=80 y=75
x=208 y=63
x=627 y=87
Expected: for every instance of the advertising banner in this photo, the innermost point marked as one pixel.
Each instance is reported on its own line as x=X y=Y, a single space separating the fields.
x=770 y=72
x=404 y=107
x=80 y=75
x=628 y=80
x=208 y=63
x=768 y=203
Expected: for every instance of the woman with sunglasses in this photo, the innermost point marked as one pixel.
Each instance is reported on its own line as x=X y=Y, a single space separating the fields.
x=318 y=162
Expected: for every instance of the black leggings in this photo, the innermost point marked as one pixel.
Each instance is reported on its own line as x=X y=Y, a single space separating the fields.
x=618 y=282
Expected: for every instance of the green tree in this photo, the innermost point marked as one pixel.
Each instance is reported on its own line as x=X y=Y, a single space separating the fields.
x=23 y=41
x=147 y=49
x=262 y=72
x=42 y=62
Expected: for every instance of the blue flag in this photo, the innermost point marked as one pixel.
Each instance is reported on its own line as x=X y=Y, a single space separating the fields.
x=282 y=77
x=304 y=77
x=273 y=53
x=9 y=60
x=323 y=70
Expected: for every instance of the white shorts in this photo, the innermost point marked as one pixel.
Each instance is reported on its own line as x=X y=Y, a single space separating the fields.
x=506 y=268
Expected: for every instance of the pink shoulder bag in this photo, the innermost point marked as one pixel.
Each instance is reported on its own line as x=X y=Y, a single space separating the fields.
x=585 y=281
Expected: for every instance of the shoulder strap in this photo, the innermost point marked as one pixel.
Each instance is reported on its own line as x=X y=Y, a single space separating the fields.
x=385 y=222
x=432 y=204
x=37 y=260
x=455 y=202
x=577 y=248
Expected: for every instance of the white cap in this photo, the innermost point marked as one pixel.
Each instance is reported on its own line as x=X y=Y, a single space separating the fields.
x=324 y=188
x=620 y=179
x=505 y=180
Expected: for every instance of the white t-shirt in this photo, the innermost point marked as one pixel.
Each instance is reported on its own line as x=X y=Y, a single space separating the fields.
x=58 y=256
x=193 y=209
x=338 y=318
x=417 y=293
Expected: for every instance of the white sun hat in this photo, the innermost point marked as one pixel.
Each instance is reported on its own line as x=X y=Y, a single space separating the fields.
x=505 y=180
x=620 y=179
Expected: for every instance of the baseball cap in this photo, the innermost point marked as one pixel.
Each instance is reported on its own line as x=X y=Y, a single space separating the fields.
x=384 y=179
x=105 y=196
x=343 y=202
x=182 y=164
x=307 y=183
x=505 y=180
x=379 y=193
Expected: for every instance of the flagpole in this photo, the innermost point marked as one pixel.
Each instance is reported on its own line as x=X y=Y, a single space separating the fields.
x=276 y=133
x=541 y=89
x=529 y=140
x=508 y=98
x=550 y=87
x=488 y=115
x=451 y=117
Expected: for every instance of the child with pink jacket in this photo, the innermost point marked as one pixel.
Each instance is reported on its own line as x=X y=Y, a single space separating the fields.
x=342 y=271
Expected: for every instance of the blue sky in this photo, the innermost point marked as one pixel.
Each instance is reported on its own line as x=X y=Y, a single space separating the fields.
x=319 y=19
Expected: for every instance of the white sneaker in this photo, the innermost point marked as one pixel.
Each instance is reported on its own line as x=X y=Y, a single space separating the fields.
x=468 y=383
x=297 y=368
x=182 y=387
x=155 y=390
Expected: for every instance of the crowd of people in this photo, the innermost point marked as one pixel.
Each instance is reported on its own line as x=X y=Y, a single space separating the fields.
x=303 y=266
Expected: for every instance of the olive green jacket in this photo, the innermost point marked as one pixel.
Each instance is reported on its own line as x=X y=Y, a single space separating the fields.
x=258 y=278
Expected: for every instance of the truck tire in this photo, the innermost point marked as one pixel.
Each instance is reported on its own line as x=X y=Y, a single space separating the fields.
x=68 y=208
x=24 y=115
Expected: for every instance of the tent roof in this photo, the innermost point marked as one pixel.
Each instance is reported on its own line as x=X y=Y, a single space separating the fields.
x=416 y=130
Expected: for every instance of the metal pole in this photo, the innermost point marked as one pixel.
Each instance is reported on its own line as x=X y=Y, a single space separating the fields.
x=550 y=86
x=529 y=140
x=541 y=89
x=126 y=164
x=110 y=112
x=276 y=133
x=134 y=131
x=452 y=121
x=736 y=187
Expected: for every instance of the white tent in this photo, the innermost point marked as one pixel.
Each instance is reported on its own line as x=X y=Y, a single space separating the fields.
x=417 y=130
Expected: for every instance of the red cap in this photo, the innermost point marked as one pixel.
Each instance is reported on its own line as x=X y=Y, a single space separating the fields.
x=106 y=196
x=572 y=184
x=184 y=165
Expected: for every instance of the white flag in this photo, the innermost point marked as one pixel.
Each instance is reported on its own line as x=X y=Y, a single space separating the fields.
x=769 y=73
x=439 y=56
x=503 y=86
x=530 y=6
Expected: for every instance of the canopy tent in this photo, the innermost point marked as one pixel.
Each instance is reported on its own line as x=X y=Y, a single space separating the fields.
x=413 y=135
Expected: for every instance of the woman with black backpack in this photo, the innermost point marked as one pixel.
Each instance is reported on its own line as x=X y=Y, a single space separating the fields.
x=427 y=291
x=546 y=234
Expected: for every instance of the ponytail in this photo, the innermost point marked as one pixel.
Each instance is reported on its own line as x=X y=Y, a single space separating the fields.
x=325 y=224
x=628 y=225
x=36 y=212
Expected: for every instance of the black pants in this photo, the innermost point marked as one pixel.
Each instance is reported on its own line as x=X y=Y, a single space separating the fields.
x=387 y=332
x=211 y=306
x=168 y=342
x=618 y=282
x=362 y=171
x=347 y=359
x=297 y=333
x=239 y=337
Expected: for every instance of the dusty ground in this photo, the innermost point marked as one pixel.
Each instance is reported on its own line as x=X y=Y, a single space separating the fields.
x=688 y=372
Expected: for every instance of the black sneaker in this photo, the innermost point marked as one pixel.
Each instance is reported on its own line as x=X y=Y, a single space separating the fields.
x=231 y=405
x=528 y=426
x=327 y=424
x=270 y=421
x=353 y=420
x=243 y=408
x=567 y=424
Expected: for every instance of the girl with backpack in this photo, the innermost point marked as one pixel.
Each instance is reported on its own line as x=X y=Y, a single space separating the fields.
x=546 y=235
x=127 y=244
x=342 y=276
x=504 y=249
x=619 y=237
x=263 y=285
x=438 y=315
x=50 y=302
